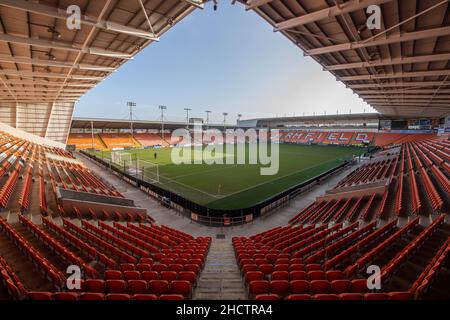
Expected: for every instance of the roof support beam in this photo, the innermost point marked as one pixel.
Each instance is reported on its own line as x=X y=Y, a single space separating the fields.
x=348 y=7
x=85 y=20
x=397 y=85
x=11 y=72
x=33 y=89
x=433 y=73
x=400 y=101
x=420 y=104
x=408 y=36
x=49 y=84
x=390 y=62
x=252 y=4
x=63 y=46
x=34 y=101
x=400 y=91
x=405 y=97
x=50 y=63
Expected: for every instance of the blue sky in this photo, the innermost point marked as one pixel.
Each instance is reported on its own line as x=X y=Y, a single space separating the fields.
x=228 y=60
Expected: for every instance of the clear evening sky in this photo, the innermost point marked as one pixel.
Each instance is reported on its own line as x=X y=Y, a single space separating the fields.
x=228 y=60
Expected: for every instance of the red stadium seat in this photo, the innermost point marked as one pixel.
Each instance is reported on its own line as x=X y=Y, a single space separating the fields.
x=94 y=285
x=319 y=286
x=168 y=275
x=113 y=275
x=351 y=296
x=92 y=296
x=115 y=286
x=263 y=297
x=132 y=275
x=299 y=297
x=253 y=275
x=171 y=297
x=279 y=287
x=158 y=286
x=280 y=275
x=137 y=286
x=182 y=287
x=376 y=296
x=150 y=275
x=40 y=295
x=145 y=297
x=187 y=275
x=299 y=286
x=359 y=286
x=65 y=296
x=259 y=287
x=298 y=275
x=325 y=296
x=400 y=296
x=341 y=286
x=118 y=296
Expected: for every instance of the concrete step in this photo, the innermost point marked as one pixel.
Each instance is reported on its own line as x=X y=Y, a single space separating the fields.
x=220 y=278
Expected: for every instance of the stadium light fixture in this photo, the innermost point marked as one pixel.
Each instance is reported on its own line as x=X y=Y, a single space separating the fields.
x=207 y=118
x=187 y=116
x=224 y=121
x=162 y=108
x=131 y=105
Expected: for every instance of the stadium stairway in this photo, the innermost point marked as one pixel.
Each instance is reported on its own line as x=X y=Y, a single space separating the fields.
x=220 y=278
x=100 y=139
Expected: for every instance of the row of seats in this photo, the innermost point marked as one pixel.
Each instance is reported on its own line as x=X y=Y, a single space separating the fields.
x=342 y=296
x=283 y=288
x=146 y=272
x=370 y=255
x=429 y=274
x=45 y=267
x=387 y=139
x=79 y=244
x=403 y=255
x=10 y=280
x=139 y=286
x=90 y=296
x=372 y=172
x=58 y=248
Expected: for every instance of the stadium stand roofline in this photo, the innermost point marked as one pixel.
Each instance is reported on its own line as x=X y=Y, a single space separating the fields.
x=85 y=123
x=371 y=116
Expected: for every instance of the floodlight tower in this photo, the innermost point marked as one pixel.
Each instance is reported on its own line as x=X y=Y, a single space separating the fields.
x=162 y=108
x=131 y=105
x=187 y=117
x=224 y=121
x=207 y=118
x=239 y=116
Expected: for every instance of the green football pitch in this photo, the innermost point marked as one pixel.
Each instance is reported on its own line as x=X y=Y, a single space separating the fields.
x=234 y=186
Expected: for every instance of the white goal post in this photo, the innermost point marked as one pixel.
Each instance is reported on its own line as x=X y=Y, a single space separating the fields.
x=120 y=158
x=149 y=171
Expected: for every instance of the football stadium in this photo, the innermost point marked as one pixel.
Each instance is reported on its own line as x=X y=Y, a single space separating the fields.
x=179 y=205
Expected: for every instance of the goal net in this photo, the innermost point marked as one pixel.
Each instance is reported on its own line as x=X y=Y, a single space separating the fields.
x=149 y=171
x=121 y=158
